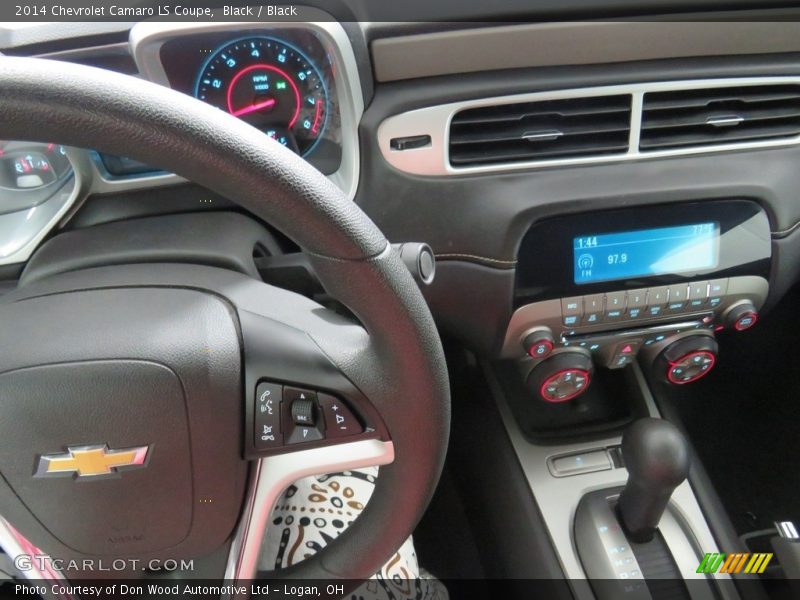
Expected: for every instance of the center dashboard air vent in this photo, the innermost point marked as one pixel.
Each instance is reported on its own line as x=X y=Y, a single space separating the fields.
x=726 y=115
x=540 y=130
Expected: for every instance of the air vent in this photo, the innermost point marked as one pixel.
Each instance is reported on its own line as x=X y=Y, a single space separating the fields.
x=540 y=131
x=712 y=116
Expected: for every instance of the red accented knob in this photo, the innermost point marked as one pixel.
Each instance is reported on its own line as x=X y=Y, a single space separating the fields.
x=688 y=359
x=741 y=316
x=562 y=377
x=538 y=343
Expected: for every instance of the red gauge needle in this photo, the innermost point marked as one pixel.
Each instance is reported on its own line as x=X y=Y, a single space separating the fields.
x=246 y=110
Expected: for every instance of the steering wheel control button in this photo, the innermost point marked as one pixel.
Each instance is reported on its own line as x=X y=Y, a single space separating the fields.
x=303 y=412
x=339 y=419
x=267 y=422
x=302 y=434
x=302 y=404
x=538 y=344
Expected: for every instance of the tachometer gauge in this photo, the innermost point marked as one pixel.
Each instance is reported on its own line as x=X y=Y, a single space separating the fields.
x=270 y=85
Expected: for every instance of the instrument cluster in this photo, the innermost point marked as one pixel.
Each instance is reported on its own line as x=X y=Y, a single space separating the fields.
x=281 y=82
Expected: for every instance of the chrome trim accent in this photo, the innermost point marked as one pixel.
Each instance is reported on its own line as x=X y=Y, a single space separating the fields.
x=22 y=231
x=16 y=545
x=146 y=39
x=434 y=160
x=728 y=121
x=545 y=136
x=786 y=529
x=272 y=475
x=87 y=52
x=558 y=497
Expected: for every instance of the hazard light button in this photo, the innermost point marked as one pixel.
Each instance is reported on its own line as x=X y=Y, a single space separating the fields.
x=339 y=420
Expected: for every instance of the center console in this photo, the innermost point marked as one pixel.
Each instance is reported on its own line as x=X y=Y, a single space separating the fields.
x=599 y=289
x=608 y=304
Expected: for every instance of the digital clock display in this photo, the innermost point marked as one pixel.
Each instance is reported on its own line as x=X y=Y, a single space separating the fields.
x=646 y=252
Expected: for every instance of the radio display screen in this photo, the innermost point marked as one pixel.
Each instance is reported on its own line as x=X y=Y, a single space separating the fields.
x=645 y=252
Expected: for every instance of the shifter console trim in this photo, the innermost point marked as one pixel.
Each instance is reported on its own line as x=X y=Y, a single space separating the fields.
x=558 y=498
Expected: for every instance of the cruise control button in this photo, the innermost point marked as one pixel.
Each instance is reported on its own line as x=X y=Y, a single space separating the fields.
x=339 y=420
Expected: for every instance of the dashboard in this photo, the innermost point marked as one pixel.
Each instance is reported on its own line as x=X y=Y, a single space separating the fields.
x=457 y=152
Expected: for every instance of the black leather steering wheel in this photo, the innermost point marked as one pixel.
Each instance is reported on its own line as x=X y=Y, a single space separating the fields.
x=393 y=359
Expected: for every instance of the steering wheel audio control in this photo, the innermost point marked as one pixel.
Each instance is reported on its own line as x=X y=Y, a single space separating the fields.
x=286 y=415
x=688 y=359
x=741 y=317
x=562 y=377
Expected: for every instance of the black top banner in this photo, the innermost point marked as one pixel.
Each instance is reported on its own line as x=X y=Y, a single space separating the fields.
x=21 y=12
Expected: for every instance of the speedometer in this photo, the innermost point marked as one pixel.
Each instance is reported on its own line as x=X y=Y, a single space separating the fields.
x=272 y=86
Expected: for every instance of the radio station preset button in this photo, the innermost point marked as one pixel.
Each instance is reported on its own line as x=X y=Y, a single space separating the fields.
x=643 y=303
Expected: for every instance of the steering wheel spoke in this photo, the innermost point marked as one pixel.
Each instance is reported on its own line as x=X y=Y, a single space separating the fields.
x=297 y=395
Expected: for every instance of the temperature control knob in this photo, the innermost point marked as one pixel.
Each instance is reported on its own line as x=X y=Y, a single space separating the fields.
x=741 y=316
x=688 y=359
x=562 y=377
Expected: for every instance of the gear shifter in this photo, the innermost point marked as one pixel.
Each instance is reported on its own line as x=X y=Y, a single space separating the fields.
x=657 y=458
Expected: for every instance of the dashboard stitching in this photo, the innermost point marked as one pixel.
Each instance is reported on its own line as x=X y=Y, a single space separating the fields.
x=785 y=232
x=455 y=255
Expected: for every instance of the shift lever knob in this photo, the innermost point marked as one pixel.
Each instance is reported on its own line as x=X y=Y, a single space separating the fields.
x=657 y=458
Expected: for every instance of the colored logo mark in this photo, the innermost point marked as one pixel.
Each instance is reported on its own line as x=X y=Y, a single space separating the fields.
x=737 y=562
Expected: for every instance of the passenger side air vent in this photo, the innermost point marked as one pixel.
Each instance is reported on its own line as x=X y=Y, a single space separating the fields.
x=540 y=130
x=712 y=116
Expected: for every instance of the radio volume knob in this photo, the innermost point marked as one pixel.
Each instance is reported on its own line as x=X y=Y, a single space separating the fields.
x=538 y=343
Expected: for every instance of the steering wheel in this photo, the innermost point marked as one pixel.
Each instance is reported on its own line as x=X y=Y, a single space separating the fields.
x=163 y=356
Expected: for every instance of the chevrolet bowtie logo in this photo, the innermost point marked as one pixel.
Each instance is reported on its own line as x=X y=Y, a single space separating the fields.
x=87 y=462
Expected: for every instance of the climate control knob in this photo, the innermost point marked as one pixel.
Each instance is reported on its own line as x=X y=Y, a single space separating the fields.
x=688 y=359
x=562 y=377
x=741 y=316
